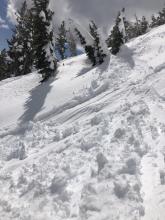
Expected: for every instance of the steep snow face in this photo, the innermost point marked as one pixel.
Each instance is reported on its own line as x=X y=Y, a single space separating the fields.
x=90 y=144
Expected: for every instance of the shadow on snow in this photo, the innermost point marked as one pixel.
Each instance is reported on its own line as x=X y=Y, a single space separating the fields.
x=35 y=103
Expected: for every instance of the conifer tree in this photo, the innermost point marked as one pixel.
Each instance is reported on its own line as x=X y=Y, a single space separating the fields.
x=161 y=17
x=144 y=25
x=61 y=40
x=129 y=29
x=137 y=27
x=26 y=38
x=125 y=25
x=3 y=65
x=99 y=53
x=81 y=37
x=154 y=21
x=44 y=58
x=20 y=51
x=13 y=54
x=115 y=39
x=89 y=50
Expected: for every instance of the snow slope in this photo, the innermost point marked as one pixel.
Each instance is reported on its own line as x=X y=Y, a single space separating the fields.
x=90 y=144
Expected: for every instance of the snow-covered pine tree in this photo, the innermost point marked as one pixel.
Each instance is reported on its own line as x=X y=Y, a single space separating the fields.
x=137 y=26
x=80 y=37
x=3 y=65
x=154 y=21
x=20 y=50
x=99 y=53
x=13 y=64
x=61 y=40
x=161 y=17
x=26 y=38
x=144 y=25
x=43 y=46
x=129 y=30
x=128 y=27
x=115 y=39
x=125 y=25
x=71 y=43
x=89 y=50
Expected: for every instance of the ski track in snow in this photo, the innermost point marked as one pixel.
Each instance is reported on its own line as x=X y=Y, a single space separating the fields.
x=93 y=148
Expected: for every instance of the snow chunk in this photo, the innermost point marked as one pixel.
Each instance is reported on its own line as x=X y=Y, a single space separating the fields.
x=162 y=177
x=119 y=133
x=58 y=184
x=121 y=188
x=101 y=161
x=131 y=165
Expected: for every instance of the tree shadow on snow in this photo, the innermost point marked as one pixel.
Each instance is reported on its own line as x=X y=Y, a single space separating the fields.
x=35 y=103
x=84 y=71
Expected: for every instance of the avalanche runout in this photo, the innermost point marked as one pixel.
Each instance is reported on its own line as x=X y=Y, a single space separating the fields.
x=90 y=144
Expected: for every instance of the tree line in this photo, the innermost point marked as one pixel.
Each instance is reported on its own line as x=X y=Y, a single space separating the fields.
x=34 y=42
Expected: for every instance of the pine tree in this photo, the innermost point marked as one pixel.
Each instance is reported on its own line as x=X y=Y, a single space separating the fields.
x=162 y=17
x=99 y=53
x=137 y=27
x=3 y=65
x=115 y=39
x=13 y=55
x=89 y=50
x=71 y=43
x=159 y=20
x=20 y=50
x=129 y=29
x=125 y=25
x=61 y=40
x=144 y=25
x=81 y=37
x=44 y=58
x=154 y=21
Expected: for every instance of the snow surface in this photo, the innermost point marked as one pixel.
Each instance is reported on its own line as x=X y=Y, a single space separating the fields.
x=89 y=145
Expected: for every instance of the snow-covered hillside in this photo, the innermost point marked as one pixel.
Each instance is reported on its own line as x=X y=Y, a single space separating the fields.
x=89 y=145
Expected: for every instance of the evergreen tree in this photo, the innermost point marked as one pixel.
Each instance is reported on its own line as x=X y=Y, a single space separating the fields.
x=13 y=54
x=115 y=39
x=154 y=21
x=125 y=25
x=44 y=58
x=137 y=27
x=72 y=44
x=61 y=40
x=161 y=17
x=89 y=50
x=144 y=25
x=20 y=51
x=3 y=65
x=129 y=28
x=81 y=37
x=99 y=53
x=26 y=41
